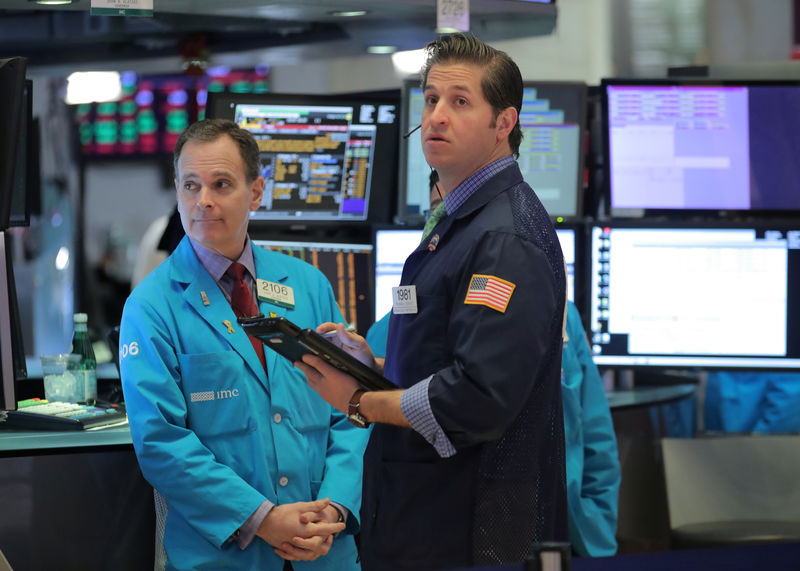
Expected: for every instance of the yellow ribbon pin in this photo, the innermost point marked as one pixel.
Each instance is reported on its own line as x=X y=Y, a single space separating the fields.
x=229 y=325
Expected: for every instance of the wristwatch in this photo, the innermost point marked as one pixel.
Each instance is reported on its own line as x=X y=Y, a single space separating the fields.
x=353 y=415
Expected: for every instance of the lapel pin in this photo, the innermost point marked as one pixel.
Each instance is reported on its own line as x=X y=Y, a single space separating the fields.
x=433 y=243
x=205 y=298
x=228 y=324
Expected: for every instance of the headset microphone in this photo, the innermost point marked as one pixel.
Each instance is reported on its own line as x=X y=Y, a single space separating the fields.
x=412 y=131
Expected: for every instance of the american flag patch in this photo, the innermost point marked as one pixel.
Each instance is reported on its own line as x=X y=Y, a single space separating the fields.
x=490 y=291
x=200 y=397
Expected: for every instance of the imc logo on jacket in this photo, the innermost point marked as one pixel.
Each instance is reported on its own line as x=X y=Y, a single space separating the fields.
x=214 y=395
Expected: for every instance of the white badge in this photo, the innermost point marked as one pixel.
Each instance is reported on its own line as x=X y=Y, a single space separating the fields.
x=404 y=299
x=275 y=293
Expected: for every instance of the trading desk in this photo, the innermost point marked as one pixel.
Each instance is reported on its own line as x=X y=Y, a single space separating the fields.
x=74 y=500
x=77 y=499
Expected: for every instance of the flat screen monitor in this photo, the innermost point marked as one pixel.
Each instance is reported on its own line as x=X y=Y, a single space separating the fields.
x=568 y=237
x=12 y=351
x=12 y=114
x=348 y=268
x=324 y=158
x=23 y=187
x=680 y=145
x=699 y=296
x=551 y=156
x=393 y=245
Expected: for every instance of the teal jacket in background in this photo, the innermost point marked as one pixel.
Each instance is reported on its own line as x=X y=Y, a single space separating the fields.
x=214 y=432
x=593 y=472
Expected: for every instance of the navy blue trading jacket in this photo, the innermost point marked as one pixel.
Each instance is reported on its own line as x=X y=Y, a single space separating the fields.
x=496 y=393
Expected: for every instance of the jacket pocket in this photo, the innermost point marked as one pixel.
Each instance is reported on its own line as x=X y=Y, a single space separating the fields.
x=218 y=393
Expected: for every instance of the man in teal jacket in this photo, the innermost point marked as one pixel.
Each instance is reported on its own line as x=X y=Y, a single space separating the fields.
x=257 y=472
x=593 y=472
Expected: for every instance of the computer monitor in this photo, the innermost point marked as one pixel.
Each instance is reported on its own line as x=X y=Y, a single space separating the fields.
x=12 y=351
x=702 y=145
x=348 y=267
x=551 y=156
x=23 y=185
x=324 y=158
x=569 y=236
x=12 y=121
x=394 y=244
x=695 y=296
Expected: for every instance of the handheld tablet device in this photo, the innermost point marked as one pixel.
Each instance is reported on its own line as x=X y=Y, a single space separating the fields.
x=287 y=339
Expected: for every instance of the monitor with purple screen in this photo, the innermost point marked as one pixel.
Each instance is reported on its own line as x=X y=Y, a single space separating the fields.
x=702 y=145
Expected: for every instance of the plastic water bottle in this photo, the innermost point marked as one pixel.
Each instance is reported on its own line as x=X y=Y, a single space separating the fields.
x=87 y=369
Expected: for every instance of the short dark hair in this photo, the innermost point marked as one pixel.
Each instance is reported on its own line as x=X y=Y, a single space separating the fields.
x=209 y=130
x=501 y=82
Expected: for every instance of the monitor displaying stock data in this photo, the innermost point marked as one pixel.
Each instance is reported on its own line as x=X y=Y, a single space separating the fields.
x=323 y=158
x=348 y=267
x=551 y=155
x=701 y=296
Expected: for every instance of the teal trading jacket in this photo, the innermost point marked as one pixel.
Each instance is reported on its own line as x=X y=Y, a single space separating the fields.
x=593 y=472
x=213 y=432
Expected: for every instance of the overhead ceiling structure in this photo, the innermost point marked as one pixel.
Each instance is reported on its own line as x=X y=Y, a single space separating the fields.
x=50 y=35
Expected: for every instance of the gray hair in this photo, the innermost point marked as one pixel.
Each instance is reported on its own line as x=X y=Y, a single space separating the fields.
x=209 y=130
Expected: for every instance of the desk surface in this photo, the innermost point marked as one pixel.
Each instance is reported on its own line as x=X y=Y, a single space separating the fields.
x=648 y=396
x=30 y=440
x=18 y=440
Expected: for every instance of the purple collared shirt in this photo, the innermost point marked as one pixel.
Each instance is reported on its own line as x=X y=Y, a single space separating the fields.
x=414 y=402
x=463 y=191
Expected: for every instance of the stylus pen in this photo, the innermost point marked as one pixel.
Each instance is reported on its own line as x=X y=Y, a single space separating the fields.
x=332 y=332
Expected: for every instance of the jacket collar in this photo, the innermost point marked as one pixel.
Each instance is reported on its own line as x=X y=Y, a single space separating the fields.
x=203 y=296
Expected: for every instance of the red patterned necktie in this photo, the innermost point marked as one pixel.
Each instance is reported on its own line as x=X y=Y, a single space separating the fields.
x=243 y=303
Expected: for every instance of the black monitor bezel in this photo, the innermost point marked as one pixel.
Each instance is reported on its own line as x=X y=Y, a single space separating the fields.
x=12 y=92
x=672 y=213
x=13 y=367
x=784 y=223
x=24 y=185
x=380 y=200
x=404 y=217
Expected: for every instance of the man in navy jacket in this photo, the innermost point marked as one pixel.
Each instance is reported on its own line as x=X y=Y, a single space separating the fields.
x=465 y=465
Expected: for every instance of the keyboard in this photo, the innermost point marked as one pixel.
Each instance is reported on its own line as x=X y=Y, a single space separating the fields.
x=41 y=414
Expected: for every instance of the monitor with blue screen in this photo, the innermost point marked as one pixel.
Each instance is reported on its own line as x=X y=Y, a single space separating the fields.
x=551 y=155
x=702 y=145
x=695 y=296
